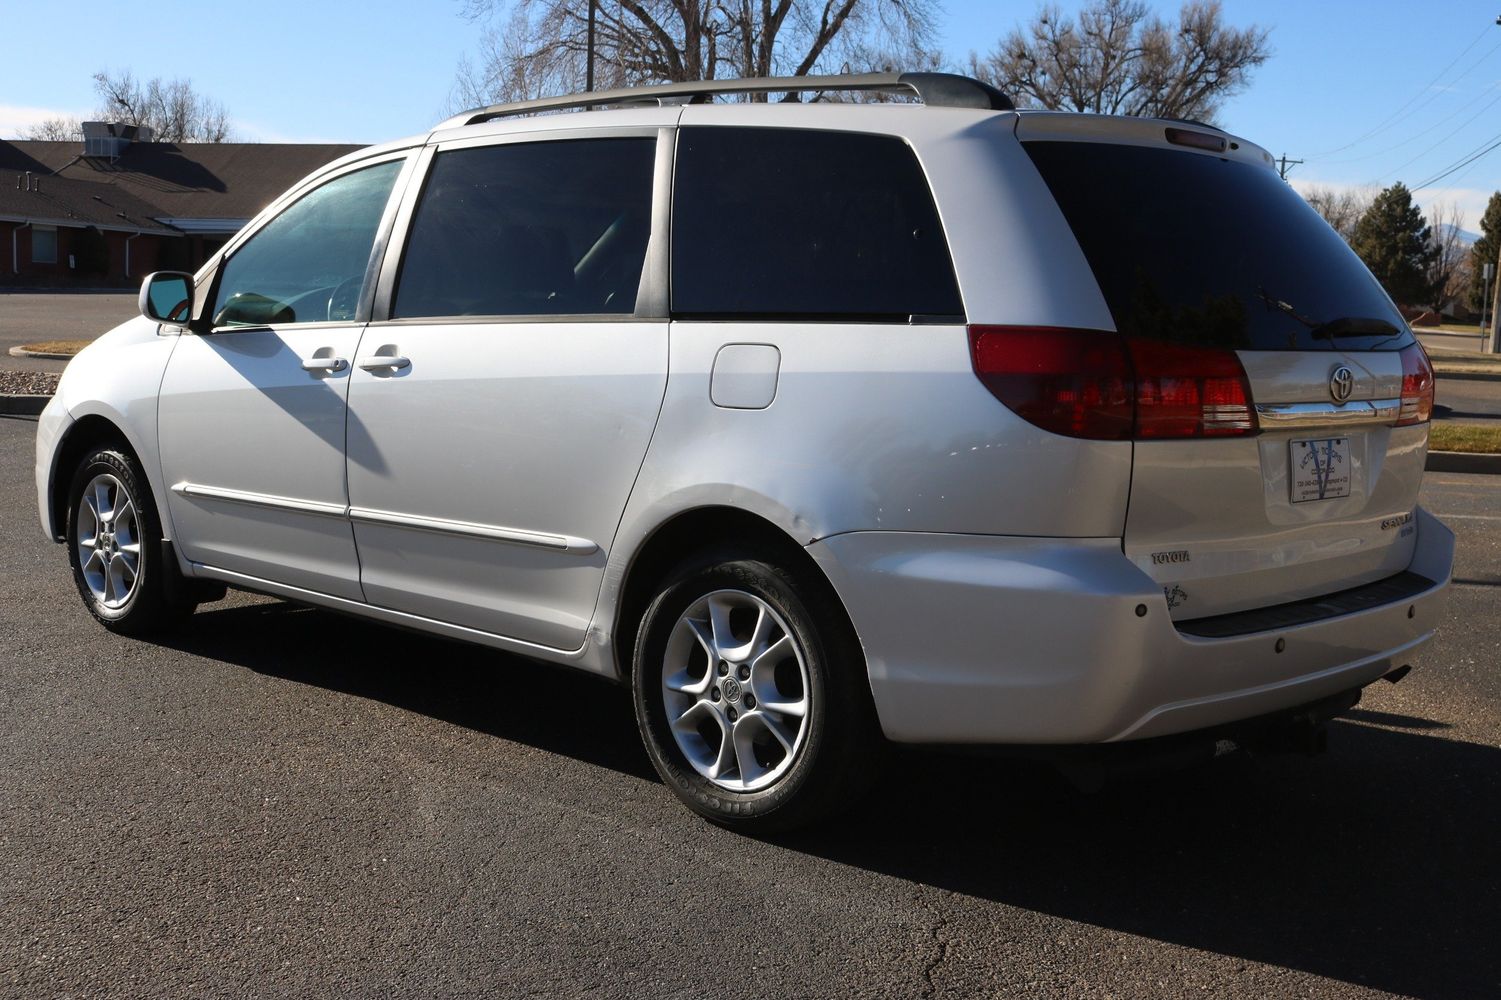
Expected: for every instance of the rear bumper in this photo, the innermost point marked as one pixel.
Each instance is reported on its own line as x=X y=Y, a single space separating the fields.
x=984 y=639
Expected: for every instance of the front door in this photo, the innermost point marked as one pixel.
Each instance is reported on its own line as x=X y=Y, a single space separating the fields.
x=252 y=415
x=499 y=416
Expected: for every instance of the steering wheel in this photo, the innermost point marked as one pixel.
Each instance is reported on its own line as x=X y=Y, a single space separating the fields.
x=344 y=299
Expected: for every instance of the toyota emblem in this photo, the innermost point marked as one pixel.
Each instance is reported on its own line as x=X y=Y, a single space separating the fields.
x=1341 y=384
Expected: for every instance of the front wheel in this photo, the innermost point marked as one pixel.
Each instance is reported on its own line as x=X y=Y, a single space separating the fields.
x=115 y=550
x=751 y=696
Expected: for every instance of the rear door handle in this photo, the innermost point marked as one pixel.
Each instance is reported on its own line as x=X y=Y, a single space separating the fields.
x=379 y=362
x=328 y=365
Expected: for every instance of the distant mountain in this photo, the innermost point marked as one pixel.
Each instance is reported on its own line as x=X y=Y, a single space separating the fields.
x=1465 y=236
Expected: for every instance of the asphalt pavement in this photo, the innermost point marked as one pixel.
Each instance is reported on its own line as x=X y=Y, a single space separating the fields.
x=1469 y=401
x=1439 y=343
x=28 y=317
x=283 y=802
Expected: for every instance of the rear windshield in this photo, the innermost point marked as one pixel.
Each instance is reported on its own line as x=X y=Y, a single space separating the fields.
x=1196 y=249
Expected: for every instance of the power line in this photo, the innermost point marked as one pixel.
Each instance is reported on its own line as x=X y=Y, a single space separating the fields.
x=1464 y=125
x=1466 y=160
x=1492 y=89
x=1284 y=165
x=1427 y=89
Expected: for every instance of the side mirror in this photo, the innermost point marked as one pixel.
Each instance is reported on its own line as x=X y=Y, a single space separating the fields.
x=167 y=297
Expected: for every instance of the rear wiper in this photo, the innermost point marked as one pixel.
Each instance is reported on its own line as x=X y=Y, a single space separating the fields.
x=1355 y=326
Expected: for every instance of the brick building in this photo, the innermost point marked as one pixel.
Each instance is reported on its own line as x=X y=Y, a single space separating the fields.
x=107 y=211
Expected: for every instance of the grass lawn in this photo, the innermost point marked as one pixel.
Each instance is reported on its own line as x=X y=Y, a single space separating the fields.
x=1473 y=329
x=1446 y=436
x=68 y=347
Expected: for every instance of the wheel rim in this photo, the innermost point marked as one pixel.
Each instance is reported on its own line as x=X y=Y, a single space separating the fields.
x=735 y=686
x=109 y=541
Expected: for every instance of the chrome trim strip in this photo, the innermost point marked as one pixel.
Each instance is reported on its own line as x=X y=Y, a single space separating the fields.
x=495 y=533
x=260 y=500
x=1292 y=416
x=491 y=532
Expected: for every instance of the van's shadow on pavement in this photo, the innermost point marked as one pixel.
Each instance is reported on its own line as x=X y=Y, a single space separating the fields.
x=1375 y=864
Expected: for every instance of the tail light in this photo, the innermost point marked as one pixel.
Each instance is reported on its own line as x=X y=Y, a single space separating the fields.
x=1099 y=385
x=1072 y=382
x=1417 y=387
x=1189 y=392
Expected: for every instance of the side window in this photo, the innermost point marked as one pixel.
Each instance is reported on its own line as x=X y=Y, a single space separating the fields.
x=788 y=222
x=528 y=229
x=307 y=265
x=44 y=244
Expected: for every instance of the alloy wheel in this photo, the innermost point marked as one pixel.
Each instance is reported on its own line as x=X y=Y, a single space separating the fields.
x=109 y=541
x=735 y=687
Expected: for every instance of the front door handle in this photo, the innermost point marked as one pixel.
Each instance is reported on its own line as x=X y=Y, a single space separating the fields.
x=383 y=362
x=328 y=365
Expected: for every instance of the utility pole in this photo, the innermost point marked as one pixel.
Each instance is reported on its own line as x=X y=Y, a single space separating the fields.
x=1284 y=165
x=1493 y=344
x=589 y=59
x=1485 y=292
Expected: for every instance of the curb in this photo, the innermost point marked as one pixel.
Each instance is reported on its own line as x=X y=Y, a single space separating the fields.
x=21 y=352
x=1463 y=461
x=1481 y=375
x=23 y=406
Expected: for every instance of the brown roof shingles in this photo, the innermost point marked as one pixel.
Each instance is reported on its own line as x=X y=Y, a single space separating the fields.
x=43 y=198
x=221 y=180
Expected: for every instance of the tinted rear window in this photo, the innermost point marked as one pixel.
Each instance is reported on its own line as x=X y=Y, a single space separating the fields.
x=1196 y=249
x=530 y=229
x=791 y=222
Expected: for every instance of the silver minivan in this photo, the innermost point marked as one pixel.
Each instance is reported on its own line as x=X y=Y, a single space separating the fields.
x=821 y=425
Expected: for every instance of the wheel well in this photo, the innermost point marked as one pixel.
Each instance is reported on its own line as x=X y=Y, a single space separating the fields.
x=694 y=531
x=87 y=433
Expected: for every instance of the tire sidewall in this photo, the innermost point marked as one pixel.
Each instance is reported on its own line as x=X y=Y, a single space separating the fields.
x=778 y=589
x=112 y=462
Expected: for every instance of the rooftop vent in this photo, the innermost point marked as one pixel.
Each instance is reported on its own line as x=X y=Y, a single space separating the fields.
x=108 y=140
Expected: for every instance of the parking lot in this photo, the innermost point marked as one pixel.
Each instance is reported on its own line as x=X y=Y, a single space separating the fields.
x=284 y=802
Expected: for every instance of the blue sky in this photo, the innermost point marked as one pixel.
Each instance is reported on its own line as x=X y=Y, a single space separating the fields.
x=1408 y=88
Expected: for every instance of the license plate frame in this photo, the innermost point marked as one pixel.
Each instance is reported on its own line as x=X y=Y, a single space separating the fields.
x=1319 y=469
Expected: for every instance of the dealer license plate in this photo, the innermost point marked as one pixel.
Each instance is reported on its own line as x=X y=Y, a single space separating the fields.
x=1320 y=469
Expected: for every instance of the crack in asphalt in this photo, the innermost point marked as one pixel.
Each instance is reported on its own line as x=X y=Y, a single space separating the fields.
x=944 y=946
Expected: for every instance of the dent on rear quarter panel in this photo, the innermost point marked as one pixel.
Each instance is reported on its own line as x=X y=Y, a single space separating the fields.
x=883 y=426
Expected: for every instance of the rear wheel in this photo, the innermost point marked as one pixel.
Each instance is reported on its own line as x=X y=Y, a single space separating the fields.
x=114 y=547
x=751 y=695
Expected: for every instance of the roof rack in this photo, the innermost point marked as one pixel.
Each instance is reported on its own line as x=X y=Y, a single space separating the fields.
x=946 y=90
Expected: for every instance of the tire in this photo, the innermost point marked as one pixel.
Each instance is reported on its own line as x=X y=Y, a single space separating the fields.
x=731 y=648
x=115 y=548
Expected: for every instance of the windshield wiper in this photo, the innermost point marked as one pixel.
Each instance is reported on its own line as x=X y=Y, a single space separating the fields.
x=1356 y=326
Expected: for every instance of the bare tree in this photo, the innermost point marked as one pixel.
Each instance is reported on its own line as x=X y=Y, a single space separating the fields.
x=54 y=130
x=1119 y=59
x=172 y=109
x=1340 y=207
x=1448 y=273
x=536 y=47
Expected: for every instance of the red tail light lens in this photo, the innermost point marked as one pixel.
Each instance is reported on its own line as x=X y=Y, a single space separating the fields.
x=1095 y=384
x=1188 y=392
x=1072 y=382
x=1417 y=387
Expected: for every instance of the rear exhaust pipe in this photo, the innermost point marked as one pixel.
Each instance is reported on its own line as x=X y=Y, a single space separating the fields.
x=1398 y=674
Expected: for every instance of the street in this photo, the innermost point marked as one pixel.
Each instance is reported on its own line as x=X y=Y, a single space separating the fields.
x=29 y=317
x=279 y=801
x=1466 y=400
